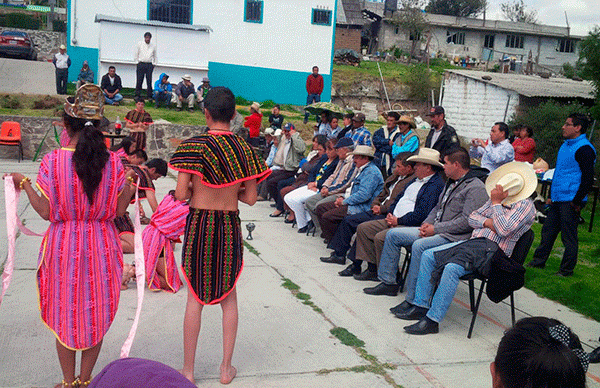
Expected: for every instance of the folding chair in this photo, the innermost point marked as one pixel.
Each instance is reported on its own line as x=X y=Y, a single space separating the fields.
x=519 y=255
x=10 y=135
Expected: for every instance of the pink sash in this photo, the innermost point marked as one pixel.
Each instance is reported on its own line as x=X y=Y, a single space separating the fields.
x=140 y=274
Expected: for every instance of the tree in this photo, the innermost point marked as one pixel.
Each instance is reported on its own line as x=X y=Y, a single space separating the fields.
x=516 y=11
x=410 y=19
x=461 y=8
x=589 y=63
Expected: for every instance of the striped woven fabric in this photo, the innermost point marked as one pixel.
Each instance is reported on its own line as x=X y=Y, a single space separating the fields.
x=145 y=181
x=166 y=225
x=80 y=262
x=212 y=253
x=220 y=159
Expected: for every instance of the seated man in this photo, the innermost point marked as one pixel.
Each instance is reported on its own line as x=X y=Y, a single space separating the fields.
x=202 y=92
x=111 y=86
x=359 y=134
x=163 y=91
x=185 y=92
x=410 y=209
x=498 y=150
x=406 y=140
x=448 y=221
x=498 y=225
x=403 y=174
x=366 y=187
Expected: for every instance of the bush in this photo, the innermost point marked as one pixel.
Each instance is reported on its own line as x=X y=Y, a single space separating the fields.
x=419 y=81
x=20 y=20
x=267 y=104
x=242 y=101
x=10 y=102
x=59 y=26
x=568 y=70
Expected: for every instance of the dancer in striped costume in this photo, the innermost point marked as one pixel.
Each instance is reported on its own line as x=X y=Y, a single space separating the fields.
x=166 y=225
x=221 y=169
x=83 y=187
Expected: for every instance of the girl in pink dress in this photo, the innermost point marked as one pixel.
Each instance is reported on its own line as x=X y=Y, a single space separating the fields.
x=83 y=187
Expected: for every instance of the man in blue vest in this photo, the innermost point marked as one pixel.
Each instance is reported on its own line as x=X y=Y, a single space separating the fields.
x=572 y=180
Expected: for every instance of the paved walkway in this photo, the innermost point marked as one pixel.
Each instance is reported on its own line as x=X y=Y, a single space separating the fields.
x=29 y=77
x=282 y=340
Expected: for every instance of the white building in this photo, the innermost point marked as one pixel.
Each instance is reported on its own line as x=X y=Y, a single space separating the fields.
x=260 y=49
x=475 y=100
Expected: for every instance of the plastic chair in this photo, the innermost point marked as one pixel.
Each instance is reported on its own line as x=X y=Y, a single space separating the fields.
x=10 y=135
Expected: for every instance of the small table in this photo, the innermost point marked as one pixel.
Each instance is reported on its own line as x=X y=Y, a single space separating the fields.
x=113 y=136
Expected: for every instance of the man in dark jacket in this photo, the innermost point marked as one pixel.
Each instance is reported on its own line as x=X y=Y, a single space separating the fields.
x=448 y=221
x=111 y=86
x=441 y=136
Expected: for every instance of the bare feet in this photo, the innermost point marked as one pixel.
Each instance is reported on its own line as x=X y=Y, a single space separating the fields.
x=227 y=374
x=189 y=376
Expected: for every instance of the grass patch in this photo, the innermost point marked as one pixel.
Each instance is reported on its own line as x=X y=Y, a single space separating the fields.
x=251 y=248
x=580 y=291
x=287 y=283
x=346 y=337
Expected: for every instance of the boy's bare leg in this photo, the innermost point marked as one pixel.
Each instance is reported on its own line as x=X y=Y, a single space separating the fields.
x=191 y=329
x=66 y=358
x=88 y=360
x=230 y=326
x=127 y=243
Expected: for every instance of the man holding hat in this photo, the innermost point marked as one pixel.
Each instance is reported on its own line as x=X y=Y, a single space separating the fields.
x=359 y=134
x=441 y=136
x=61 y=62
x=365 y=188
x=497 y=225
x=185 y=92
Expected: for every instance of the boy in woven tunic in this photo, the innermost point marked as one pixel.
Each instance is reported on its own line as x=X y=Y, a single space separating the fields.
x=216 y=170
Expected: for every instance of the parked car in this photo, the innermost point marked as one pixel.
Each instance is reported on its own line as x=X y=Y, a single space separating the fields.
x=17 y=44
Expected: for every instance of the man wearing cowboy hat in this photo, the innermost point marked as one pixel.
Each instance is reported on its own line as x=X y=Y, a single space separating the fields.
x=202 y=91
x=411 y=208
x=406 y=140
x=185 y=92
x=61 y=62
x=364 y=189
x=497 y=225
x=441 y=136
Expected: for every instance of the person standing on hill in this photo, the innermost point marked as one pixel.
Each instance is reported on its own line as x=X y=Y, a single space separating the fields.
x=314 y=88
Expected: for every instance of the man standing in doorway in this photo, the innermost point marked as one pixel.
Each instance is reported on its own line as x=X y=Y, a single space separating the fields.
x=145 y=56
x=61 y=62
x=314 y=88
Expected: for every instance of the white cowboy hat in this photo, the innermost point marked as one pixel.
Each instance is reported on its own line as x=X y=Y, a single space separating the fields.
x=256 y=106
x=277 y=132
x=364 y=150
x=270 y=131
x=428 y=156
x=187 y=77
x=517 y=178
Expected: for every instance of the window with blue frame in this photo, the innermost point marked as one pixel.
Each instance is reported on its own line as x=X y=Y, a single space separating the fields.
x=253 y=11
x=321 y=16
x=171 y=11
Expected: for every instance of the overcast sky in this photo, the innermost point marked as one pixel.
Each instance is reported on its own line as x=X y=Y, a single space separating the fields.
x=583 y=15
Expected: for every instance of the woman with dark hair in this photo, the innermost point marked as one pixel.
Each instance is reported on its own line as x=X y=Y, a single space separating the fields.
x=524 y=145
x=83 y=187
x=324 y=127
x=539 y=352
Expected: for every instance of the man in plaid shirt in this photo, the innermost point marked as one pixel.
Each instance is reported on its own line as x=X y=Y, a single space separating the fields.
x=359 y=134
x=498 y=224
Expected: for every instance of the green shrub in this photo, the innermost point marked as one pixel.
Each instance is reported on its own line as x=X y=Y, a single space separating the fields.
x=59 y=26
x=20 y=20
x=420 y=82
x=568 y=70
x=242 y=101
x=268 y=104
x=10 y=102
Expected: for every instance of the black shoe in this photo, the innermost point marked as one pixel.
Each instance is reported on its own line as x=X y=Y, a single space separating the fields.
x=367 y=275
x=303 y=229
x=424 y=326
x=595 y=356
x=412 y=314
x=349 y=271
x=333 y=259
x=382 y=289
x=178 y=109
x=536 y=264
x=289 y=221
x=276 y=215
x=564 y=274
x=404 y=306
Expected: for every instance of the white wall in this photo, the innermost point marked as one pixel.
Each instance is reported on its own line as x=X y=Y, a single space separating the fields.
x=472 y=107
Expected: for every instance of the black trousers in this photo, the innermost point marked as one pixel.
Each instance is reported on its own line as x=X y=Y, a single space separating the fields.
x=346 y=229
x=62 y=76
x=273 y=180
x=144 y=69
x=563 y=219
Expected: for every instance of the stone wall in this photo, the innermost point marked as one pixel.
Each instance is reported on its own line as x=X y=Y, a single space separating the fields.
x=46 y=42
x=163 y=139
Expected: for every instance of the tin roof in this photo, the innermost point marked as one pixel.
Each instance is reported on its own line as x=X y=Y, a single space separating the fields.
x=349 y=12
x=533 y=85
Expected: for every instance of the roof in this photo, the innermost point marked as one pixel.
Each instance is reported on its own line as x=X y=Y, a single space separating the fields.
x=533 y=85
x=349 y=12
x=194 y=27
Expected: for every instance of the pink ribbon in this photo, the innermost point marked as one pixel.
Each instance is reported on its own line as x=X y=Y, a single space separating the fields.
x=140 y=274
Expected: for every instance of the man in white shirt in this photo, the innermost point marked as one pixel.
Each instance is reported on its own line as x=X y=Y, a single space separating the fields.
x=497 y=151
x=145 y=56
x=61 y=62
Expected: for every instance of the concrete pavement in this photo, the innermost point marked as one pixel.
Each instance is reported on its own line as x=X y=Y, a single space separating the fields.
x=29 y=77
x=282 y=341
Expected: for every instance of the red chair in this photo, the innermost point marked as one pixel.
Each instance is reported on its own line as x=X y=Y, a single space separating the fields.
x=10 y=135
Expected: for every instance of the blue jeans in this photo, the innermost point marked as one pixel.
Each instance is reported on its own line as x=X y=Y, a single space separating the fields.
x=446 y=289
x=110 y=101
x=309 y=100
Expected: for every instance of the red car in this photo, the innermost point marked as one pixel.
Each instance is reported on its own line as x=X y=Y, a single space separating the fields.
x=17 y=44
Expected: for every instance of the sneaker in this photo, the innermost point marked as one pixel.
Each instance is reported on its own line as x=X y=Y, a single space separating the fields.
x=178 y=109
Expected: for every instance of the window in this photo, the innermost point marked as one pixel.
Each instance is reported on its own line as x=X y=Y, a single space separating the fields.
x=171 y=11
x=457 y=37
x=321 y=16
x=397 y=30
x=414 y=36
x=254 y=11
x=488 y=41
x=514 y=41
x=565 y=46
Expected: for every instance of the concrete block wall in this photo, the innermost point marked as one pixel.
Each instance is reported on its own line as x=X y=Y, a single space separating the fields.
x=472 y=107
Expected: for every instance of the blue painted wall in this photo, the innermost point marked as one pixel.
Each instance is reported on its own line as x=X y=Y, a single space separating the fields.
x=260 y=84
x=79 y=54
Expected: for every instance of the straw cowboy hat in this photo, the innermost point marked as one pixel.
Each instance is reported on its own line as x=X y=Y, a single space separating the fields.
x=256 y=106
x=517 y=178
x=187 y=77
x=409 y=120
x=364 y=150
x=428 y=156
x=88 y=103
